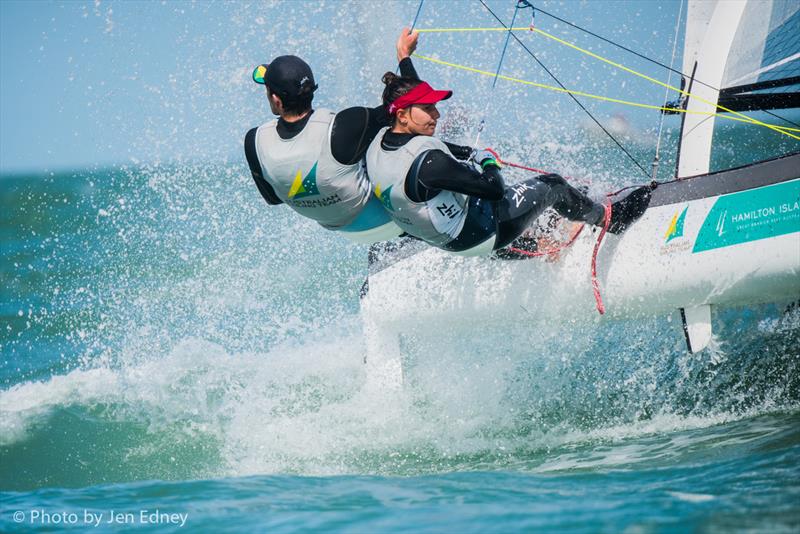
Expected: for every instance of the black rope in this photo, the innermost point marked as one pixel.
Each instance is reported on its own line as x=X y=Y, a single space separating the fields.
x=567 y=90
x=635 y=53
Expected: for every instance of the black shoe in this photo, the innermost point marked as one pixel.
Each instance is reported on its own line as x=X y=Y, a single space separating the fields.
x=626 y=211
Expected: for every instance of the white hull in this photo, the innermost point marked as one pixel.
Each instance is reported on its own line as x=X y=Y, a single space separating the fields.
x=642 y=272
x=645 y=271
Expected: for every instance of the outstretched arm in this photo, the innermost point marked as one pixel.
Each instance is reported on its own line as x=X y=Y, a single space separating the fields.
x=355 y=128
x=406 y=44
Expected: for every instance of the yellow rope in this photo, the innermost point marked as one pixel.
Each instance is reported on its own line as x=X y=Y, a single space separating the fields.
x=446 y=30
x=580 y=93
x=662 y=84
x=743 y=118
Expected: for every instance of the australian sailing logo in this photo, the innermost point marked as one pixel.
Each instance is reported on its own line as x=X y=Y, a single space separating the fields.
x=385 y=196
x=304 y=187
x=675 y=229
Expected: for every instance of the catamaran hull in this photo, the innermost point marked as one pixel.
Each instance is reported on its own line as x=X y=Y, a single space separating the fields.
x=689 y=251
x=733 y=249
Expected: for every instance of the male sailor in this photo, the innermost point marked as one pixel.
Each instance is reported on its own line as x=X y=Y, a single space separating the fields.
x=312 y=160
x=455 y=206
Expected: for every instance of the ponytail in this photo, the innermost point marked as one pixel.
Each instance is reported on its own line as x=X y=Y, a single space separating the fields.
x=396 y=86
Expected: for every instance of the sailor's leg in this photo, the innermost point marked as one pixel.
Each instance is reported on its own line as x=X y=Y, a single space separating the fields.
x=574 y=205
x=570 y=202
x=522 y=204
x=525 y=201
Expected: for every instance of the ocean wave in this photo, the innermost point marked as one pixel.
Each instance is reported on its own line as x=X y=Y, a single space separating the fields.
x=307 y=407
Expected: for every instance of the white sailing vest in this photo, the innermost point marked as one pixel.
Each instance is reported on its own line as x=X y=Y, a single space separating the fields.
x=306 y=176
x=436 y=221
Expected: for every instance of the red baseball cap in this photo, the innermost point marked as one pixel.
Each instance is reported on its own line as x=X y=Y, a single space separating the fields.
x=420 y=94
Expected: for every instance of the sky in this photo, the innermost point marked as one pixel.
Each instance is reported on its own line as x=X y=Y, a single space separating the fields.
x=92 y=84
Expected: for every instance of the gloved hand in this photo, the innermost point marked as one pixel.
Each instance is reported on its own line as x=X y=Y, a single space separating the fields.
x=484 y=157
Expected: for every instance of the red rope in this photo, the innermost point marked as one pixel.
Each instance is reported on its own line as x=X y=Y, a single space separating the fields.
x=532 y=169
x=550 y=251
x=601 y=309
x=517 y=165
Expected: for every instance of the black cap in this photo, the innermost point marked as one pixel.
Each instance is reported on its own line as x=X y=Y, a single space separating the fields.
x=288 y=76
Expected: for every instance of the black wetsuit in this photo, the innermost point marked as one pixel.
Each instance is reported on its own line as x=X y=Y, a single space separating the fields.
x=493 y=207
x=352 y=132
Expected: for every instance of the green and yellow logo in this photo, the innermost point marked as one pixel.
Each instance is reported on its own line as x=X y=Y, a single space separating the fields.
x=676 y=225
x=304 y=187
x=385 y=196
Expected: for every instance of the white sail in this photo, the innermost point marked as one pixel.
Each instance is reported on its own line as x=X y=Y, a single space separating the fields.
x=767 y=43
x=710 y=30
x=730 y=44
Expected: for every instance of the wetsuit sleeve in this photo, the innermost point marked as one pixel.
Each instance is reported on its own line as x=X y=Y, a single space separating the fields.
x=353 y=131
x=355 y=128
x=407 y=69
x=437 y=171
x=264 y=188
x=459 y=152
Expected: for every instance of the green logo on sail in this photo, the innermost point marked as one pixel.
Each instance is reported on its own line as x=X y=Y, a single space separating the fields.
x=751 y=215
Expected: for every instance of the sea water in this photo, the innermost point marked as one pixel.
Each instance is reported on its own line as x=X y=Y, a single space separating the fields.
x=177 y=356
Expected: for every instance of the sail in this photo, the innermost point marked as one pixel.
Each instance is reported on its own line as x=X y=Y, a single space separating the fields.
x=763 y=69
x=710 y=31
x=741 y=54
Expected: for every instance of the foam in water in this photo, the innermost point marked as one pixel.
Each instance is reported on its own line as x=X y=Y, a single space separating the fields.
x=306 y=407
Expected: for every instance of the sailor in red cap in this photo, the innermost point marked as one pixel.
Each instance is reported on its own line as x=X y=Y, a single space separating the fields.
x=461 y=208
x=312 y=160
